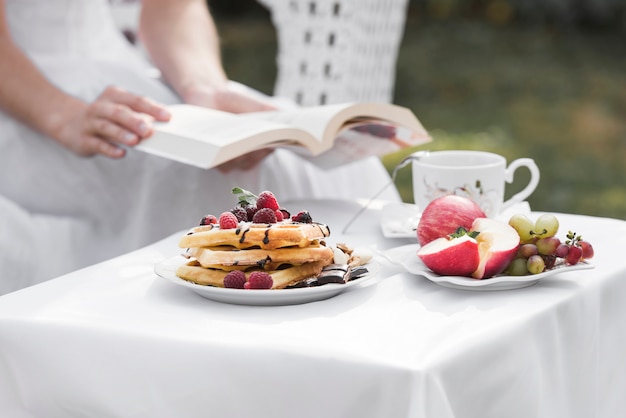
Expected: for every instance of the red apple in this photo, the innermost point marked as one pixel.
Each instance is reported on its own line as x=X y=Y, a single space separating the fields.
x=497 y=246
x=444 y=215
x=451 y=256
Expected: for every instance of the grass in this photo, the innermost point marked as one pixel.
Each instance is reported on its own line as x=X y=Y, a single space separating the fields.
x=555 y=95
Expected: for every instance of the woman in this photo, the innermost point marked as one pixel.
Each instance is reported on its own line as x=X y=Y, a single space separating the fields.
x=72 y=189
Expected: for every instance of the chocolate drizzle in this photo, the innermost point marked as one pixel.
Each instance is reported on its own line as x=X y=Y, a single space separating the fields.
x=243 y=236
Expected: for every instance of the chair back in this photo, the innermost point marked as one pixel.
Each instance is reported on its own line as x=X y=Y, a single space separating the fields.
x=333 y=51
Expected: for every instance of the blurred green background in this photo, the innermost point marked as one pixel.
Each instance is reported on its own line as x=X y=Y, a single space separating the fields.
x=543 y=82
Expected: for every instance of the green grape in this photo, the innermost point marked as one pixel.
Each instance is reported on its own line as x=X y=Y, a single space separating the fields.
x=548 y=246
x=546 y=226
x=518 y=267
x=535 y=264
x=523 y=226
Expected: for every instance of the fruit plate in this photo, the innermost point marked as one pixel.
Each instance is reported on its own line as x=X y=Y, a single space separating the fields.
x=400 y=220
x=405 y=256
x=167 y=270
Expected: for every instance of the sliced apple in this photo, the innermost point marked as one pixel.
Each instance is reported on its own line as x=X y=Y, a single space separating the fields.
x=444 y=215
x=497 y=245
x=451 y=257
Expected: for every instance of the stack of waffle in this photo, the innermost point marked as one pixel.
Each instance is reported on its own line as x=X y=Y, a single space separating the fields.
x=291 y=252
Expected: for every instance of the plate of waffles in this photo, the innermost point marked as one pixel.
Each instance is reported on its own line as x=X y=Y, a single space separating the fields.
x=258 y=254
x=265 y=297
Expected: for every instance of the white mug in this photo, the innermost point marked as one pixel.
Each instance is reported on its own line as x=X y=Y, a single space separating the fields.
x=479 y=175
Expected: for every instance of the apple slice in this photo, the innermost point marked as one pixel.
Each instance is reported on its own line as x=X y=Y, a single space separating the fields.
x=451 y=256
x=497 y=246
x=444 y=215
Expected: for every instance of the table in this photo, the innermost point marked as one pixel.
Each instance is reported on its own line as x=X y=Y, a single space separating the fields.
x=115 y=340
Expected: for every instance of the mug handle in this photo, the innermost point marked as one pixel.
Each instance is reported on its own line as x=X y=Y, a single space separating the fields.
x=532 y=184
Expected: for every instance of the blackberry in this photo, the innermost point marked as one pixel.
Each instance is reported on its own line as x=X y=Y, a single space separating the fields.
x=302 y=217
x=240 y=213
x=250 y=210
x=208 y=219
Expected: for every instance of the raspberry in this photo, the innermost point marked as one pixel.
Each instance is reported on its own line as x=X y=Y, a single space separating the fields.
x=259 y=280
x=264 y=216
x=302 y=217
x=279 y=215
x=228 y=220
x=235 y=279
x=240 y=213
x=208 y=219
x=267 y=200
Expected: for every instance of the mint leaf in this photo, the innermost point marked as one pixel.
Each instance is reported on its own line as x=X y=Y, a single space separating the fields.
x=244 y=197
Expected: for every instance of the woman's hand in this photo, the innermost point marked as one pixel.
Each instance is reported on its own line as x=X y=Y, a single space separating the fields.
x=116 y=119
x=231 y=97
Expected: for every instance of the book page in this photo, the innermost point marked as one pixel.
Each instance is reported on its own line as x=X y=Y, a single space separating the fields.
x=212 y=126
x=205 y=137
x=328 y=121
x=314 y=119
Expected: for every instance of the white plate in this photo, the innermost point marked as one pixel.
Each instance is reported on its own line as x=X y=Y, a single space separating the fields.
x=167 y=270
x=406 y=256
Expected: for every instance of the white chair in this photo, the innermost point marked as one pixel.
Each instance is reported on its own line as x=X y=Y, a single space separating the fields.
x=333 y=51
x=329 y=51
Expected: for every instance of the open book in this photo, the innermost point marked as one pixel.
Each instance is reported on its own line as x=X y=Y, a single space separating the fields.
x=328 y=135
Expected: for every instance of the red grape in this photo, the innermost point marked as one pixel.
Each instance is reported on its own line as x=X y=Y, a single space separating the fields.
x=562 y=250
x=587 y=249
x=574 y=255
x=526 y=250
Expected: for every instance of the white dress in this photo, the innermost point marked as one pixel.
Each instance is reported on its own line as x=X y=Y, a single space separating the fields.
x=60 y=212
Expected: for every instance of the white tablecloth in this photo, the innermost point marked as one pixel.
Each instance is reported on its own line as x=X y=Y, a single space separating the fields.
x=115 y=340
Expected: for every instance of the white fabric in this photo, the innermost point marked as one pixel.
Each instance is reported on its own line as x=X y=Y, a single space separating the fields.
x=114 y=340
x=334 y=51
x=59 y=212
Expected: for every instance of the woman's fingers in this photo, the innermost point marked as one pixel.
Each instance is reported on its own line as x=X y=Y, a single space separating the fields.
x=136 y=103
x=118 y=117
x=92 y=145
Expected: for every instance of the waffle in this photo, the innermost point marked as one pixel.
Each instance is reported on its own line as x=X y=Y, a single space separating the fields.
x=229 y=258
x=250 y=235
x=195 y=273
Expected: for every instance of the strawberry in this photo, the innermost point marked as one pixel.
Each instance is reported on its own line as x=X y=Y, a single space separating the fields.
x=228 y=220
